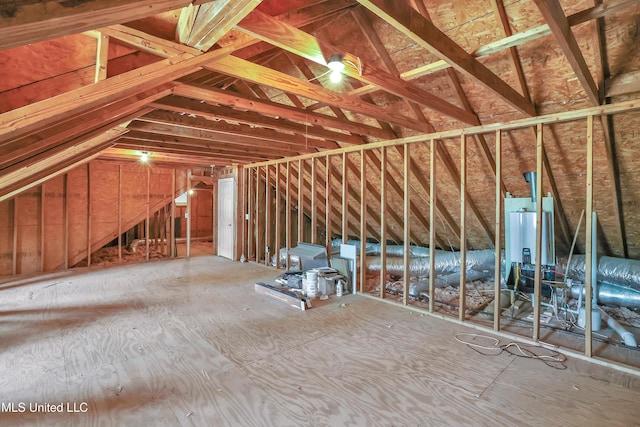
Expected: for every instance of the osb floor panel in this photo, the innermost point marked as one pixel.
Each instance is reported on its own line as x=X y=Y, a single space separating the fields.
x=189 y=343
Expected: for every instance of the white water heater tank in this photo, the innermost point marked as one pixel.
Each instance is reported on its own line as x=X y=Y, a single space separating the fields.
x=522 y=230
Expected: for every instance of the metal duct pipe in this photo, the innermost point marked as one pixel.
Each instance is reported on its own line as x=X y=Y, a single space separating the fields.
x=530 y=177
x=610 y=294
x=618 y=271
x=446 y=263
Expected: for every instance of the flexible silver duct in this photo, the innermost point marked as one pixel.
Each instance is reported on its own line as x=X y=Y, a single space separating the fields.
x=618 y=271
x=445 y=263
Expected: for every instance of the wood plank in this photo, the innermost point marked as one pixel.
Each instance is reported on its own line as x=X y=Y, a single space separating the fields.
x=102 y=58
x=588 y=283
x=23 y=22
x=623 y=84
x=47 y=166
x=433 y=202
x=267 y=215
x=514 y=40
x=314 y=197
x=264 y=106
x=300 y=201
x=287 y=37
x=463 y=230
x=328 y=206
x=345 y=199
x=213 y=20
x=171 y=121
x=46 y=112
x=363 y=221
x=537 y=285
x=609 y=109
x=557 y=21
x=259 y=74
x=287 y=226
x=422 y=31
x=383 y=221
x=406 y=229
x=220 y=112
x=498 y=234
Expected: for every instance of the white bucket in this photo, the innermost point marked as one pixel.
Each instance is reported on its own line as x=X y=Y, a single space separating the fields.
x=312 y=284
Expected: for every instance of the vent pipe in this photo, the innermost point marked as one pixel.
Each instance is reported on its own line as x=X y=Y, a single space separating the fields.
x=530 y=177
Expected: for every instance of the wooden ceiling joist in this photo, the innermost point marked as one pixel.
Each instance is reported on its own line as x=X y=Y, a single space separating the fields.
x=419 y=29
x=557 y=21
x=319 y=137
x=179 y=148
x=249 y=71
x=236 y=100
x=176 y=125
x=291 y=39
x=206 y=144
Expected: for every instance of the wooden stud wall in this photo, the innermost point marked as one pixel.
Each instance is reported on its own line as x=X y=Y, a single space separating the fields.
x=335 y=190
x=52 y=225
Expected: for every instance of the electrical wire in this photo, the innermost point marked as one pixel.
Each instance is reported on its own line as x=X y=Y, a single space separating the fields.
x=490 y=346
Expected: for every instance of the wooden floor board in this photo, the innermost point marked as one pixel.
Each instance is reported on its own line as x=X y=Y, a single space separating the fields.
x=189 y=343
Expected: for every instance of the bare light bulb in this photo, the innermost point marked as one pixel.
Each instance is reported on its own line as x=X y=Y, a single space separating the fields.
x=335 y=76
x=144 y=157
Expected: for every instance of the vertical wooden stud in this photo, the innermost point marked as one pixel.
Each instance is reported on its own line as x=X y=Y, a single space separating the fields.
x=119 y=213
x=14 y=259
x=102 y=58
x=288 y=215
x=258 y=217
x=383 y=221
x=463 y=232
x=88 y=214
x=497 y=236
x=406 y=229
x=363 y=221
x=432 y=222
x=345 y=199
x=172 y=223
x=252 y=213
x=245 y=214
x=588 y=283
x=327 y=209
x=42 y=236
x=146 y=225
x=188 y=213
x=300 y=201
x=276 y=250
x=65 y=214
x=267 y=215
x=537 y=284
x=314 y=202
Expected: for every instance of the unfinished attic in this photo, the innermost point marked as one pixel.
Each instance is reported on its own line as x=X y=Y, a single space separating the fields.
x=429 y=182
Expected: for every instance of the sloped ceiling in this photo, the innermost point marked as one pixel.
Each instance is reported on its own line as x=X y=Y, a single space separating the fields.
x=234 y=82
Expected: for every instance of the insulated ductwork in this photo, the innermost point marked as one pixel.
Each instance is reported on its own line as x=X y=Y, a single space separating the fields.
x=445 y=263
x=530 y=177
x=610 y=294
x=619 y=271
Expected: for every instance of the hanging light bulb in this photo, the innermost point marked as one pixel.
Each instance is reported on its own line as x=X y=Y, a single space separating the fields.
x=335 y=76
x=336 y=66
x=144 y=157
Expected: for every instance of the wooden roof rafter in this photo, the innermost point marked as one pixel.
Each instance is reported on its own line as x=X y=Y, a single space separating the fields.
x=419 y=29
x=303 y=44
x=559 y=25
x=203 y=25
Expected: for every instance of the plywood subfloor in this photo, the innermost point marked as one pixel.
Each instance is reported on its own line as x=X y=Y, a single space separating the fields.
x=189 y=343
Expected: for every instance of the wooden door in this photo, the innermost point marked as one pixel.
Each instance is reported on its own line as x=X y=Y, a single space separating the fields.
x=226 y=217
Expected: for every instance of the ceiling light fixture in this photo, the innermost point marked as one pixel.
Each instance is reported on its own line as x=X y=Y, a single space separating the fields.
x=337 y=63
x=336 y=66
x=144 y=156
